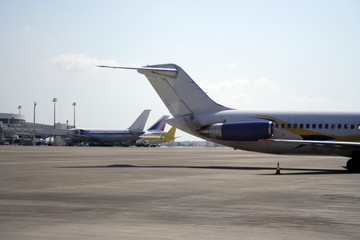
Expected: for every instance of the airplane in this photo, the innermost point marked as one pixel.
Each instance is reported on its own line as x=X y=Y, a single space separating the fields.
x=156 y=130
x=155 y=139
x=194 y=112
x=102 y=137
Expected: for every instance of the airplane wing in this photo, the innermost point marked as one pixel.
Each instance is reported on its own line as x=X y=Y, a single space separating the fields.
x=136 y=132
x=81 y=137
x=336 y=144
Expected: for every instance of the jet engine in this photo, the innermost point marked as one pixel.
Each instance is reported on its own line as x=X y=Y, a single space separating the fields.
x=239 y=131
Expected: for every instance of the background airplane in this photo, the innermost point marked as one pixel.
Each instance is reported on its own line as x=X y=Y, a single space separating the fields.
x=156 y=132
x=102 y=137
x=269 y=132
x=155 y=139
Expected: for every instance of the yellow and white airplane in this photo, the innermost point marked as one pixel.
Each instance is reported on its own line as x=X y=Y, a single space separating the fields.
x=194 y=112
x=168 y=137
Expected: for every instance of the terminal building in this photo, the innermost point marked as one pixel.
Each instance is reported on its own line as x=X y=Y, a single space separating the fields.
x=12 y=125
x=11 y=118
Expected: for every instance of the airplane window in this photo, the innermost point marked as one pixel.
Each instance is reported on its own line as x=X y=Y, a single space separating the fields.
x=276 y=125
x=332 y=126
x=295 y=125
x=320 y=126
x=289 y=125
x=352 y=126
x=345 y=126
x=282 y=125
x=314 y=126
x=301 y=125
x=307 y=125
x=339 y=126
x=326 y=126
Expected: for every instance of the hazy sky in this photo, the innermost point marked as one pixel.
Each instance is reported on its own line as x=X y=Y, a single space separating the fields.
x=251 y=55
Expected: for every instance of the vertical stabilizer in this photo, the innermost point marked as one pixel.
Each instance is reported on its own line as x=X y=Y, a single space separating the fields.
x=170 y=133
x=181 y=95
x=159 y=125
x=139 y=124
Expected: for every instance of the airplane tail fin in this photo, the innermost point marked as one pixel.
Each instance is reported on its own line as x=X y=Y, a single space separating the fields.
x=180 y=94
x=139 y=124
x=159 y=125
x=170 y=133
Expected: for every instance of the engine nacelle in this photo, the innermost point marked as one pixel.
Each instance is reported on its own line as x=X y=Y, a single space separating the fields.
x=239 y=131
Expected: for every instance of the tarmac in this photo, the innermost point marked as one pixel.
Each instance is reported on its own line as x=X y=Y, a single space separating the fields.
x=174 y=193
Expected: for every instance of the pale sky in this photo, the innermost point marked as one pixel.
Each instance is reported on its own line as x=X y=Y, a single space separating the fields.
x=250 y=55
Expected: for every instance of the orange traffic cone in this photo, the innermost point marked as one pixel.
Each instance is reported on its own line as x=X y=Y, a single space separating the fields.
x=278 y=169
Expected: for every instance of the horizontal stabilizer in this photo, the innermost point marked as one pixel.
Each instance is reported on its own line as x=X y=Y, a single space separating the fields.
x=142 y=68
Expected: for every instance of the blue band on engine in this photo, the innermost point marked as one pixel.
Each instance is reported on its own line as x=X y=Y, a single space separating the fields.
x=249 y=131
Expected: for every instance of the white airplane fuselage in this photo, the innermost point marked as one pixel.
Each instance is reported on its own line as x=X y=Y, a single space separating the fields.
x=109 y=136
x=285 y=125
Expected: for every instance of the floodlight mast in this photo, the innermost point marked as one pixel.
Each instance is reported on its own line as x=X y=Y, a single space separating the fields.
x=54 y=101
x=34 y=110
x=74 y=104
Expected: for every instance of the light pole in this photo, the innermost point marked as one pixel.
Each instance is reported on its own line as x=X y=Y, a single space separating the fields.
x=34 y=110
x=54 y=101
x=19 y=107
x=74 y=104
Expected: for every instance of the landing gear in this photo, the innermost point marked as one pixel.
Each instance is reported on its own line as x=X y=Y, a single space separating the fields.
x=353 y=165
